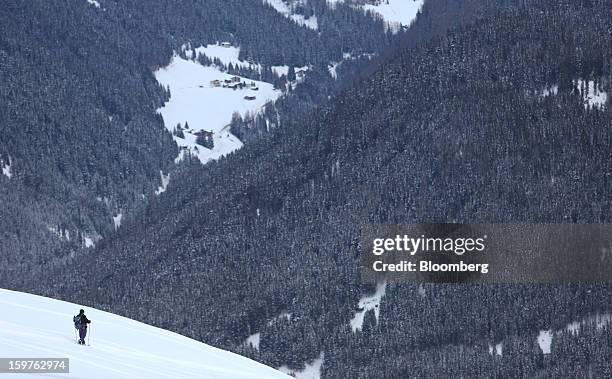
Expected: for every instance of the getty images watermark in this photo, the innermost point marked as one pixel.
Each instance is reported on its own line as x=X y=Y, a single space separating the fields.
x=488 y=253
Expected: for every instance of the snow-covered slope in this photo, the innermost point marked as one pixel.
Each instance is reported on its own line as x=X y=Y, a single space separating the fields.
x=39 y=327
x=285 y=9
x=226 y=54
x=396 y=11
x=194 y=100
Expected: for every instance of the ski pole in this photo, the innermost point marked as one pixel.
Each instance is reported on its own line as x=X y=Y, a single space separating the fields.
x=89 y=336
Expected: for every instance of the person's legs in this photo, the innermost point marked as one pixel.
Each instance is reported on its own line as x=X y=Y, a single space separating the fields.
x=82 y=334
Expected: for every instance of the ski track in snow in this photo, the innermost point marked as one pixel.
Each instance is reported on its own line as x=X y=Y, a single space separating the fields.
x=38 y=327
x=367 y=303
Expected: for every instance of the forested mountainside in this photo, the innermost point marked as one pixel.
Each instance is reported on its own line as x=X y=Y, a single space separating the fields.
x=81 y=144
x=506 y=119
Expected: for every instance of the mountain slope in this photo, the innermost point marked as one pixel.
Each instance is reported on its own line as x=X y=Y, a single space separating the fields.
x=80 y=140
x=489 y=123
x=37 y=327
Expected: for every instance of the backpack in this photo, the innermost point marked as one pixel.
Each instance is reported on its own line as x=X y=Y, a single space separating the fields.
x=77 y=321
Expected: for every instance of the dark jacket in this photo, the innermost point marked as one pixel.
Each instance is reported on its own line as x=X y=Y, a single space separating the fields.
x=84 y=320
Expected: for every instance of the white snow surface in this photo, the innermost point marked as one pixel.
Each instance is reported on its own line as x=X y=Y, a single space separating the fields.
x=368 y=303
x=311 y=370
x=6 y=168
x=39 y=327
x=545 y=337
x=499 y=349
x=593 y=96
x=94 y=3
x=203 y=107
x=165 y=179
x=496 y=349
x=88 y=242
x=332 y=70
x=226 y=55
x=280 y=70
x=396 y=12
x=599 y=320
x=253 y=340
x=284 y=9
x=117 y=220
x=545 y=340
x=332 y=3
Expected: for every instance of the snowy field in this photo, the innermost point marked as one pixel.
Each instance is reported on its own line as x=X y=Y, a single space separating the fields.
x=38 y=327
x=195 y=101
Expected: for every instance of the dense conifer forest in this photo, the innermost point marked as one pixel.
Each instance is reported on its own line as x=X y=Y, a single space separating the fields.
x=486 y=122
x=79 y=124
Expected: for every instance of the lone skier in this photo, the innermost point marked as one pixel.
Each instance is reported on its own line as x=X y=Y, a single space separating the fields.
x=80 y=323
